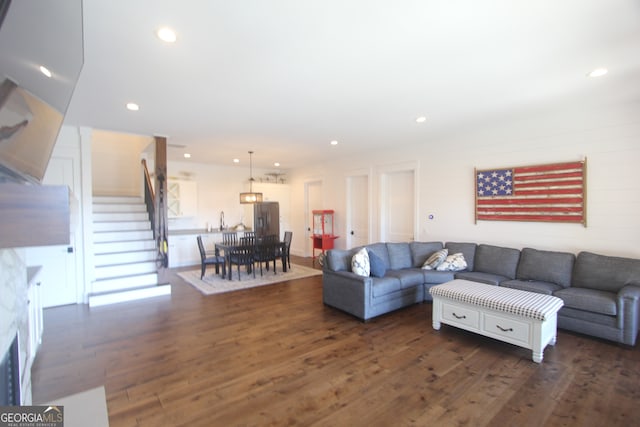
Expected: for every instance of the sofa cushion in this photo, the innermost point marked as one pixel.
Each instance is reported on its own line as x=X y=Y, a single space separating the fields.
x=467 y=249
x=532 y=286
x=384 y=286
x=605 y=273
x=437 y=277
x=602 y=302
x=339 y=259
x=376 y=264
x=478 y=276
x=435 y=259
x=591 y=321
x=420 y=251
x=399 y=255
x=546 y=266
x=496 y=260
x=360 y=263
x=453 y=262
x=409 y=277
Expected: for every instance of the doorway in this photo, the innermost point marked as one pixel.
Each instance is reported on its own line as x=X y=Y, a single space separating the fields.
x=357 y=210
x=313 y=198
x=398 y=204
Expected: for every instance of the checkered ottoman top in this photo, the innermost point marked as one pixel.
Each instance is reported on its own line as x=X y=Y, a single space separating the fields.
x=514 y=301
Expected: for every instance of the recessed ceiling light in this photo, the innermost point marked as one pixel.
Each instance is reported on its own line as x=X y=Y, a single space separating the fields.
x=166 y=34
x=276 y=164
x=236 y=160
x=598 y=72
x=334 y=142
x=421 y=119
x=44 y=70
x=187 y=155
x=132 y=106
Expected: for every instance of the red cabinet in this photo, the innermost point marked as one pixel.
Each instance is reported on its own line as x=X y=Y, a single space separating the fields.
x=323 y=237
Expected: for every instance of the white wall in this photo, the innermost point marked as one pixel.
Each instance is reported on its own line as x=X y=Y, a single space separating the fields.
x=116 y=163
x=219 y=190
x=607 y=138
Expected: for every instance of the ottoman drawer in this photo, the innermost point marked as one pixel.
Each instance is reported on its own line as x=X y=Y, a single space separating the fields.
x=453 y=313
x=506 y=329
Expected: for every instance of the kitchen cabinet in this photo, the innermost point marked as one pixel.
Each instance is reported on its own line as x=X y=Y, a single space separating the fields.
x=183 y=247
x=182 y=198
x=183 y=250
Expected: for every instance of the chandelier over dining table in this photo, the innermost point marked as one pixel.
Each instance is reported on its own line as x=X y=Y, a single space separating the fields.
x=250 y=197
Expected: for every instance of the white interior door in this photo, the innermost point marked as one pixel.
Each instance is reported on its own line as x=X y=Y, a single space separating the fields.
x=59 y=265
x=313 y=196
x=397 y=208
x=357 y=210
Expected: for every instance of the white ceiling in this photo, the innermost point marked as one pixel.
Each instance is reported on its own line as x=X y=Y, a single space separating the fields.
x=285 y=77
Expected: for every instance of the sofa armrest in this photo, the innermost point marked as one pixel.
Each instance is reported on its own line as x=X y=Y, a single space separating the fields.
x=630 y=291
x=629 y=312
x=347 y=291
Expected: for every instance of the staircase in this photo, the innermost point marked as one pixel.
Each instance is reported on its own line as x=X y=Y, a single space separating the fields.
x=124 y=252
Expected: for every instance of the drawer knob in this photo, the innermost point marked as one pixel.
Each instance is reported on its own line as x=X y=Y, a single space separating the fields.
x=460 y=317
x=503 y=329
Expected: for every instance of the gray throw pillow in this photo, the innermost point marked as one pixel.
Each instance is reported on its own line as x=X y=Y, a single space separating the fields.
x=376 y=264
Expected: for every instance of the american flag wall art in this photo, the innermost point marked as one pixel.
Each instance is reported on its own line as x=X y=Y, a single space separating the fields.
x=552 y=192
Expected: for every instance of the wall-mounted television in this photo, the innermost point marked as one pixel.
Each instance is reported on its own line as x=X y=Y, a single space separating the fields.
x=35 y=34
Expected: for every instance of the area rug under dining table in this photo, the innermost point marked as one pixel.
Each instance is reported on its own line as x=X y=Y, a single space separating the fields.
x=213 y=283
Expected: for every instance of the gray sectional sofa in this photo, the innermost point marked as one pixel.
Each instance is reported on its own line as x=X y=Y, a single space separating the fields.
x=601 y=293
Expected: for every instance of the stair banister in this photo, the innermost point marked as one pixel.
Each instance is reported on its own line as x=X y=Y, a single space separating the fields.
x=149 y=196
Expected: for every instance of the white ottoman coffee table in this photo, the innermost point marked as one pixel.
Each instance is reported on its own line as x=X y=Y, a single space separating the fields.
x=518 y=317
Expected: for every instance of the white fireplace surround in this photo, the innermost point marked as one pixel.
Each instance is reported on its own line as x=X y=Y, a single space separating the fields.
x=20 y=313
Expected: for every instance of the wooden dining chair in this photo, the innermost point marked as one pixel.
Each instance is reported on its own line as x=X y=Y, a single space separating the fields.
x=205 y=260
x=247 y=241
x=229 y=238
x=242 y=255
x=266 y=251
x=288 y=236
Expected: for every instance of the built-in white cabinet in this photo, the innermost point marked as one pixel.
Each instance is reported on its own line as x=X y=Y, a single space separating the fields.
x=182 y=198
x=183 y=250
x=33 y=338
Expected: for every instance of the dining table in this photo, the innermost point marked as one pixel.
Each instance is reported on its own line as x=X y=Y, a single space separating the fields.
x=226 y=249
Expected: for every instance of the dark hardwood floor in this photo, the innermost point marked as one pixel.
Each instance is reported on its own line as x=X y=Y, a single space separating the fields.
x=275 y=355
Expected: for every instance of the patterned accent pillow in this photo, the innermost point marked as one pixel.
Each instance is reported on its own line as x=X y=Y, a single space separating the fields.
x=435 y=259
x=455 y=262
x=360 y=263
x=377 y=265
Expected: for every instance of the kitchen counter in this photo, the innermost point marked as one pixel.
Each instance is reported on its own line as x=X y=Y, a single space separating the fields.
x=183 y=247
x=203 y=231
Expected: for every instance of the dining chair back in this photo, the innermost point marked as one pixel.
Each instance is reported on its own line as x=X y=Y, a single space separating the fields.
x=242 y=255
x=288 y=236
x=266 y=251
x=205 y=260
x=229 y=238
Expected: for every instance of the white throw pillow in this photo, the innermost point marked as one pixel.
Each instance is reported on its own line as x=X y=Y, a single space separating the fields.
x=360 y=263
x=455 y=262
x=435 y=259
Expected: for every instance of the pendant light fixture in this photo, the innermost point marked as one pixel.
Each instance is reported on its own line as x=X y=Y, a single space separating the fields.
x=250 y=197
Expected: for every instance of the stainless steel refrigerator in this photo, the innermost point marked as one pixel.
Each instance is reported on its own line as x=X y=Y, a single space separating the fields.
x=266 y=219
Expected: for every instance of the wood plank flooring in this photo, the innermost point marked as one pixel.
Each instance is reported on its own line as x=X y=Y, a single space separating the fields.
x=276 y=356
